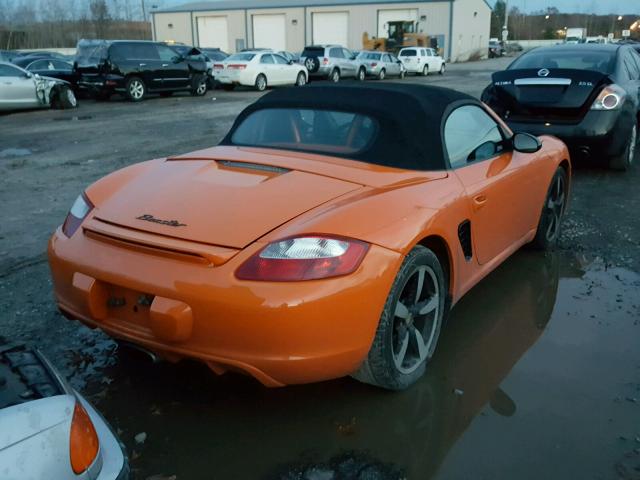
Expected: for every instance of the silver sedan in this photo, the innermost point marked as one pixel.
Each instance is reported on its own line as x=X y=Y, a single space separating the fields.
x=20 y=89
x=381 y=64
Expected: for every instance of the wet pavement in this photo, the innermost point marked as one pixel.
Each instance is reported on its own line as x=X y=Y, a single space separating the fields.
x=537 y=375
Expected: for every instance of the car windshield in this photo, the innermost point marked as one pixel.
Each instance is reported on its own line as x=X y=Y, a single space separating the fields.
x=313 y=52
x=408 y=53
x=90 y=52
x=370 y=56
x=241 y=57
x=319 y=131
x=583 y=59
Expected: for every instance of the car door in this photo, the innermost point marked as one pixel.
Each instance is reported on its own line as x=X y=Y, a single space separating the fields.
x=174 y=68
x=631 y=66
x=390 y=65
x=145 y=63
x=286 y=73
x=269 y=68
x=17 y=89
x=349 y=62
x=502 y=195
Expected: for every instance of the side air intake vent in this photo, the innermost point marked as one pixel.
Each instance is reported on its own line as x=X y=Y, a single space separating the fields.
x=464 y=235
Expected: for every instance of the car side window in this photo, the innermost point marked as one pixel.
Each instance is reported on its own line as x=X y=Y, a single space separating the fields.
x=470 y=134
x=631 y=67
x=9 y=71
x=59 y=65
x=39 y=65
x=280 y=60
x=166 y=54
x=347 y=53
x=143 y=51
x=429 y=52
x=422 y=53
x=266 y=59
x=336 y=53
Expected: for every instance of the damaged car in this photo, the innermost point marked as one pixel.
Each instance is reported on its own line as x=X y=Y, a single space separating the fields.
x=20 y=89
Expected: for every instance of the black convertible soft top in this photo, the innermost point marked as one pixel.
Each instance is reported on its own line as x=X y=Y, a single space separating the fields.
x=410 y=117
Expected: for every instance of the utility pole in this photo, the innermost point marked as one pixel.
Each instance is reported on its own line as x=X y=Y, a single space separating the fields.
x=144 y=15
x=505 y=27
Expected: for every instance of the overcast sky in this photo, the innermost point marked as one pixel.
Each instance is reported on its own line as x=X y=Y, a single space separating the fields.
x=575 y=6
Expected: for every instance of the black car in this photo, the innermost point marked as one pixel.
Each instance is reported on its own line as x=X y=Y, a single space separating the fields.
x=588 y=95
x=49 y=67
x=214 y=54
x=136 y=68
x=495 y=49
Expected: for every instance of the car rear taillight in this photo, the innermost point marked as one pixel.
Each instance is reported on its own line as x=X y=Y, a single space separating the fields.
x=79 y=211
x=374 y=64
x=304 y=258
x=610 y=97
x=83 y=440
x=238 y=66
x=325 y=61
x=218 y=66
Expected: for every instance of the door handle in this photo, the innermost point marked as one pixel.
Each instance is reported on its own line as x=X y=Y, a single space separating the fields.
x=165 y=64
x=479 y=201
x=143 y=64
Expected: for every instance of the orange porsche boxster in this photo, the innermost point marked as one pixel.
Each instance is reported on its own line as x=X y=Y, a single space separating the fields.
x=327 y=235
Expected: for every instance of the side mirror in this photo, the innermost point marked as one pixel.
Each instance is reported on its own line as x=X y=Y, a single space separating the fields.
x=525 y=143
x=178 y=59
x=291 y=62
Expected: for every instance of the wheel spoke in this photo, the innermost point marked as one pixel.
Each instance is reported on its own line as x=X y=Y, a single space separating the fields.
x=401 y=310
x=420 y=285
x=399 y=358
x=430 y=306
x=422 y=348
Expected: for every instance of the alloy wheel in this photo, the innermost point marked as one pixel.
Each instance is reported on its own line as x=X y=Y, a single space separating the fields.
x=416 y=320
x=555 y=207
x=202 y=88
x=335 y=76
x=261 y=83
x=361 y=74
x=633 y=144
x=301 y=80
x=72 y=98
x=136 y=89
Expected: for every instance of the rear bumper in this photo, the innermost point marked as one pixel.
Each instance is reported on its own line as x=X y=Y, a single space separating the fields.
x=600 y=133
x=101 y=84
x=278 y=332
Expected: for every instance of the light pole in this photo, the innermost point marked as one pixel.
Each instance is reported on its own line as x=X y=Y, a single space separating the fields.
x=505 y=27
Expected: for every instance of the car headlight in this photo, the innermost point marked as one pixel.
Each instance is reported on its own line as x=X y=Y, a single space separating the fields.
x=79 y=211
x=610 y=97
x=304 y=258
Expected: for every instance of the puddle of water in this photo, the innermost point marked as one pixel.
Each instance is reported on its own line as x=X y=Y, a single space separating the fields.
x=14 y=152
x=534 y=378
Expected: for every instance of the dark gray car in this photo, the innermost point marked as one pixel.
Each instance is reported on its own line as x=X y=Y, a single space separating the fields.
x=332 y=62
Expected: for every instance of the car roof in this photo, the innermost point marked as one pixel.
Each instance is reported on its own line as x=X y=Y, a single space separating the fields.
x=400 y=142
x=25 y=61
x=580 y=47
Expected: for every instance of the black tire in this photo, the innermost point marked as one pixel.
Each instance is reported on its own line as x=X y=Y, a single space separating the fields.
x=553 y=210
x=199 y=86
x=442 y=69
x=64 y=98
x=623 y=161
x=312 y=64
x=402 y=74
x=261 y=83
x=301 y=79
x=425 y=70
x=334 y=76
x=136 y=89
x=166 y=94
x=382 y=74
x=362 y=74
x=380 y=368
x=228 y=87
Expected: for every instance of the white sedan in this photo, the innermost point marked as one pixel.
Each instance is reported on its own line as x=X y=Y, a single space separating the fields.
x=20 y=89
x=422 y=61
x=258 y=69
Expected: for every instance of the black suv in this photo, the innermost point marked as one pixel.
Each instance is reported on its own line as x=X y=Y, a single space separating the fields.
x=135 y=68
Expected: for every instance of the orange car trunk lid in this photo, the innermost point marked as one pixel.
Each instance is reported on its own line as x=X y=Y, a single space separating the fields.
x=218 y=202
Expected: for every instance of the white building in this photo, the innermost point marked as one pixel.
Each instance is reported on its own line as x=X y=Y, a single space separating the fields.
x=461 y=27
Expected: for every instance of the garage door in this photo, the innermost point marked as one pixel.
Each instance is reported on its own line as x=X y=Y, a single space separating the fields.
x=386 y=16
x=212 y=33
x=269 y=31
x=330 y=27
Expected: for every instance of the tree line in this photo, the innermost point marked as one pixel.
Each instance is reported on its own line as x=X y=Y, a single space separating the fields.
x=550 y=23
x=61 y=23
